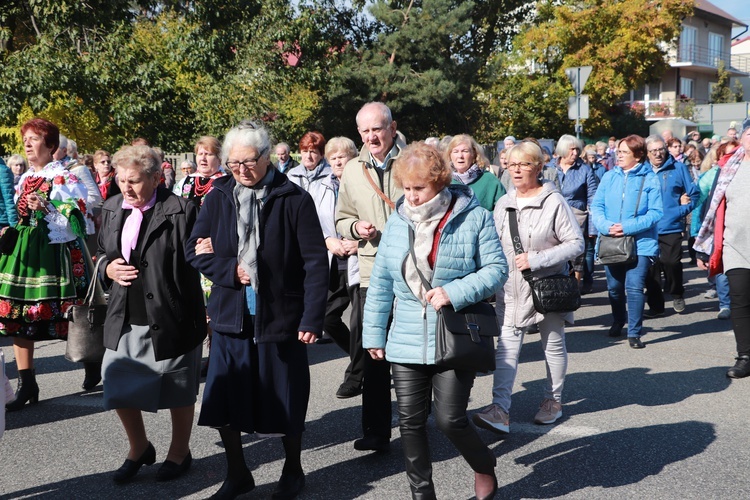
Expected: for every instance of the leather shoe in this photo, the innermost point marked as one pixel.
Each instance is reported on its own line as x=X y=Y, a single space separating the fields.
x=741 y=368
x=348 y=391
x=289 y=486
x=170 y=470
x=635 y=343
x=93 y=375
x=372 y=443
x=232 y=488
x=492 y=493
x=616 y=329
x=130 y=468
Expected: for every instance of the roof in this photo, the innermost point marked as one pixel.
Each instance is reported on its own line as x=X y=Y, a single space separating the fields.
x=710 y=8
x=741 y=40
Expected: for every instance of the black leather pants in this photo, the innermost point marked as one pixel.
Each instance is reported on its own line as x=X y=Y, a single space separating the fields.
x=451 y=391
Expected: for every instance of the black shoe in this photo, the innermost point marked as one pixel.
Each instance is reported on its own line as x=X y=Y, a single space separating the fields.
x=27 y=391
x=204 y=368
x=170 y=470
x=232 y=488
x=93 y=376
x=289 y=486
x=651 y=313
x=741 y=368
x=532 y=329
x=348 y=391
x=616 y=329
x=130 y=468
x=635 y=343
x=587 y=288
x=372 y=443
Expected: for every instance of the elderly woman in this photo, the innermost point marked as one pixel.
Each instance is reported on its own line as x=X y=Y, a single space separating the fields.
x=313 y=169
x=726 y=235
x=460 y=256
x=105 y=176
x=259 y=241
x=470 y=167
x=578 y=185
x=196 y=186
x=550 y=237
x=628 y=203
x=46 y=247
x=343 y=287
x=187 y=168
x=155 y=320
x=17 y=165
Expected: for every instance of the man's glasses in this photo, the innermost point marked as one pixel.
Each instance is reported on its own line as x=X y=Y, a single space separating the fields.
x=657 y=150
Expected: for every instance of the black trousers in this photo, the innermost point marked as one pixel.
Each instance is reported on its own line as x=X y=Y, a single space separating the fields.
x=451 y=391
x=376 y=389
x=670 y=263
x=340 y=295
x=739 y=300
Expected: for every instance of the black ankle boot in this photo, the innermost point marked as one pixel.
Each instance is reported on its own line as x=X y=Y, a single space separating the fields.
x=741 y=368
x=93 y=376
x=27 y=390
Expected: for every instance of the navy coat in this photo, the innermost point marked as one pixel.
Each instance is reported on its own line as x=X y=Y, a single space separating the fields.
x=292 y=262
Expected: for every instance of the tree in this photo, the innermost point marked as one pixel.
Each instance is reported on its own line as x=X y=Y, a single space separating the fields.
x=721 y=93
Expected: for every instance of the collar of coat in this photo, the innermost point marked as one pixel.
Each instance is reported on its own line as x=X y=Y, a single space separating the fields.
x=548 y=187
x=364 y=155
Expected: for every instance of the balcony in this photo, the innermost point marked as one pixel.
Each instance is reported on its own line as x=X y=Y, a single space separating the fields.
x=654 y=109
x=706 y=60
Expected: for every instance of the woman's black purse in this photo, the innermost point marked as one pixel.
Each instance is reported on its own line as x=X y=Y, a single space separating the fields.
x=621 y=249
x=464 y=339
x=556 y=293
x=86 y=324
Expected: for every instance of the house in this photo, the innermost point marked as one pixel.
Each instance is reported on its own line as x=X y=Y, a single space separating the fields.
x=705 y=41
x=741 y=51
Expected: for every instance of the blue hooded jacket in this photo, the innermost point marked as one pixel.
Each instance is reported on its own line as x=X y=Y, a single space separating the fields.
x=674 y=179
x=615 y=201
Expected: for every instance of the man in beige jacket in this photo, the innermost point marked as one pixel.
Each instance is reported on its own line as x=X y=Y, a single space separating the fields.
x=366 y=198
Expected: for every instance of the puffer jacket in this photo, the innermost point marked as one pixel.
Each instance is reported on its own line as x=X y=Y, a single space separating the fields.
x=674 y=181
x=470 y=266
x=549 y=235
x=615 y=202
x=359 y=201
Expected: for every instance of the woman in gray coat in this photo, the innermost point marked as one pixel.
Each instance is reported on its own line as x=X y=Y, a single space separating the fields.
x=550 y=237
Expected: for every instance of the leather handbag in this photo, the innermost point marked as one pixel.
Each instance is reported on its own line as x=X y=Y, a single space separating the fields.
x=86 y=324
x=556 y=293
x=464 y=338
x=622 y=249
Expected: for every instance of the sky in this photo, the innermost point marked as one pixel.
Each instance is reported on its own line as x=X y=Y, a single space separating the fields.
x=738 y=8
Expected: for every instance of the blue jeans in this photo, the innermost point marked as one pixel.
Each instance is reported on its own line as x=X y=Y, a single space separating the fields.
x=588 y=270
x=722 y=290
x=625 y=284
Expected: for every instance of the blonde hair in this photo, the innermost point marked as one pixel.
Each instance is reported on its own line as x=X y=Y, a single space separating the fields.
x=418 y=160
x=527 y=150
x=210 y=143
x=479 y=157
x=142 y=157
x=341 y=145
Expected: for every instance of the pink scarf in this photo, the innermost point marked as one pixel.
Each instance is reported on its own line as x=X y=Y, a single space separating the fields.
x=132 y=225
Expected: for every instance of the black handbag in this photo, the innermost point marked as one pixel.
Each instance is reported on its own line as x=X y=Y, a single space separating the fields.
x=556 y=293
x=464 y=338
x=622 y=249
x=86 y=324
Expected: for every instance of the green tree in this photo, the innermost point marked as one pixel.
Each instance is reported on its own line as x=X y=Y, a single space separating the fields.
x=721 y=93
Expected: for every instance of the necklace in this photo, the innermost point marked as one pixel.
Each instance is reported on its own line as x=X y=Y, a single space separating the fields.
x=199 y=191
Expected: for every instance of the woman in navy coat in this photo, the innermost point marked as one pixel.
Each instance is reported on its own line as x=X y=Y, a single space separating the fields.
x=258 y=240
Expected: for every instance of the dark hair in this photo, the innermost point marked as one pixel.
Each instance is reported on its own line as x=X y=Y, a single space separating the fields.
x=637 y=145
x=313 y=140
x=674 y=140
x=48 y=130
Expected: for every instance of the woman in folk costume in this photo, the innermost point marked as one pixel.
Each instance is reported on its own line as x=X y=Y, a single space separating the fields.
x=42 y=266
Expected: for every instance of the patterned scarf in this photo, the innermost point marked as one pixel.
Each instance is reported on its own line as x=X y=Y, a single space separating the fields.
x=248 y=201
x=473 y=173
x=704 y=242
x=132 y=226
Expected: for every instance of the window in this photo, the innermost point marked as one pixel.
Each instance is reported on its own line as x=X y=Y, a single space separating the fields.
x=687 y=44
x=715 y=49
x=686 y=87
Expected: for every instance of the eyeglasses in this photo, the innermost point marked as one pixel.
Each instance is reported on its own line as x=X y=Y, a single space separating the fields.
x=247 y=163
x=657 y=150
x=523 y=165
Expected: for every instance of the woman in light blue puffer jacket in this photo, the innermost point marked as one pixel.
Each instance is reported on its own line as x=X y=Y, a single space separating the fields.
x=458 y=252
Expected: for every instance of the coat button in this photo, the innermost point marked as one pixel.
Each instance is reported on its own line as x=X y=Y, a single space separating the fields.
x=144 y=263
x=155 y=327
x=149 y=295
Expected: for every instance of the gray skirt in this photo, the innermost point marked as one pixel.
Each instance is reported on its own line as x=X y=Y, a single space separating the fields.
x=134 y=379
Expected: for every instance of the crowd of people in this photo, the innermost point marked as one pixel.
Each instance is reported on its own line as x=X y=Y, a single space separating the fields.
x=260 y=259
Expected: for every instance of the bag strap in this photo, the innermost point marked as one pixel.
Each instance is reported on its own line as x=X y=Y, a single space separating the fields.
x=517 y=246
x=425 y=283
x=638 y=201
x=377 y=189
x=95 y=293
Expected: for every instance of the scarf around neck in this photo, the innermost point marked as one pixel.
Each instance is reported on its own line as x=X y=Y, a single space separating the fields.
x=248 y=201
x=472 y=173
x=132 y=227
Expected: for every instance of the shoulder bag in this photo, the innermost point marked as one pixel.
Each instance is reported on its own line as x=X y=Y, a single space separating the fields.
x=86 y=324
x=621 y=249
x=556 y=293
x=464 y=338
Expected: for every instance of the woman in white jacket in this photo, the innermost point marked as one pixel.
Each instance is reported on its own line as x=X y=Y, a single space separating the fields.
x=550 y=237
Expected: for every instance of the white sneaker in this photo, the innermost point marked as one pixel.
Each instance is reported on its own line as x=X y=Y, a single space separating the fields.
x=724 y=314
x=710 y=293
x=492 y=418
x=549 y=411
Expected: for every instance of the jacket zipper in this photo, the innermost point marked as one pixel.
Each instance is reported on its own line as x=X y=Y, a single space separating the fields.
x=424 y=332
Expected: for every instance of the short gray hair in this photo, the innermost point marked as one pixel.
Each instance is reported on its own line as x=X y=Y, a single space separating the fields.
x=63 y=142
x=283 y=145
x=142 y=157
x=385 y=111
x=566 y=142
x=18 y=160
x=653 y=138
x=247 y=133
x=72 y=147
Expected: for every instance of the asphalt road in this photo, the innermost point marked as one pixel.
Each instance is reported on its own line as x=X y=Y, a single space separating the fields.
x=659 y=423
